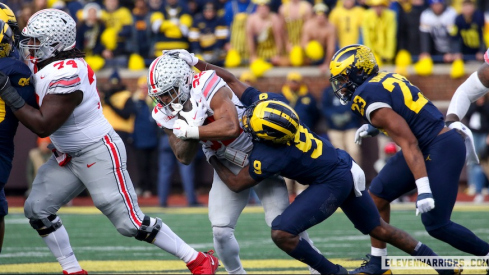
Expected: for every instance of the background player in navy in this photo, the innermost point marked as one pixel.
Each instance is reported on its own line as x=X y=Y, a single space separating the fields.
x=282 y=145
x=19 y=74
x=432 y=155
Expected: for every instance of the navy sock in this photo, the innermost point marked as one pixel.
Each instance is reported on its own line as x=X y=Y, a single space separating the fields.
x=306 y=254
x=461 y=238
x=423 y=250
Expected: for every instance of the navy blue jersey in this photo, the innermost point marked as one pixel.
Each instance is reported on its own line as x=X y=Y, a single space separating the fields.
x=19 y=75
x=396 y=92
x=309 y=160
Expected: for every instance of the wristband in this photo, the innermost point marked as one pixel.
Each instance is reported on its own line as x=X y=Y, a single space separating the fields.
x=423 y=185
x=193 y=132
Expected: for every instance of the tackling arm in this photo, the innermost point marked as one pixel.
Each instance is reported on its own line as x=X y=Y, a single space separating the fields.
x=236 y=86
x=472 y=89
x=184 y=150
x=236 y=183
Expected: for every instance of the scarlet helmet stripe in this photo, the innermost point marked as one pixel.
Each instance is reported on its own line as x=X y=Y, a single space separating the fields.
x=151 y=75
x=114 y=154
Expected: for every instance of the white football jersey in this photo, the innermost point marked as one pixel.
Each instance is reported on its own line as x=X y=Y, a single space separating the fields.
x=204 y=86
x=87 y=124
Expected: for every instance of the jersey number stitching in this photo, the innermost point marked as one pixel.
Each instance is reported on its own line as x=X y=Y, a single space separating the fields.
x=257 y=167
x=306 y=145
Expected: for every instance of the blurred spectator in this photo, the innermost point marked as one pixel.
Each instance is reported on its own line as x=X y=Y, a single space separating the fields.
x=409 y=19
x=295 y=13
x=264 y=34
x=72 y=7
x=342 y=124
x=145 y=139
x=155 y=5
x=170 y=27
x=478 y=117
x=141 y=31
x=468 y=32
x=208 y=35
x=38 y=5
x=37 y=157
x=167 y=162
x=118 y=20
x=298 y=96
x=118 y=108
x=379 y=29
x=24 y=14
x=390 y=149
x=89 y=30
x=319 y=30
x=236 y=13
x=435 y=25
x=347 y=19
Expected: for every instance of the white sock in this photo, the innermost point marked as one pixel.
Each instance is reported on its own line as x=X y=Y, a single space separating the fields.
x=167 y=240
x=378 y=252
x=227 y=249
x=59 y=244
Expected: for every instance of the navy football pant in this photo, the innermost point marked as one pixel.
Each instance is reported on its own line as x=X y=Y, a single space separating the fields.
x=319 y=201
x=444 y=159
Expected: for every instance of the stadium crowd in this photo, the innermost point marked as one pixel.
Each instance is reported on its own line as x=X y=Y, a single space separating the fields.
x=264 y=33
x=119 y=34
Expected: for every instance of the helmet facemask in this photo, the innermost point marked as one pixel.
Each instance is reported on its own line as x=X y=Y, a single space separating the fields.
x=178 y=93
x=39 y=49
x=343 y=88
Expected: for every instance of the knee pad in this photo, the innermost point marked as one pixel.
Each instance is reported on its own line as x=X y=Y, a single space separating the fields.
x=46 y=226
x=222 y=233
x=147 y=232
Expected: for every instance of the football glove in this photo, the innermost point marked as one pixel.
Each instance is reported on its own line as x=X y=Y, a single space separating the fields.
x=209 y=152
x=9 y=94
x=182 y=130
x=184 y=55
x=425 y=201
x=366 y=130
x=197 y=115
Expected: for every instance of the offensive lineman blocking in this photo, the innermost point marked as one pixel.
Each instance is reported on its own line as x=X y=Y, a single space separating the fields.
x=87 y=151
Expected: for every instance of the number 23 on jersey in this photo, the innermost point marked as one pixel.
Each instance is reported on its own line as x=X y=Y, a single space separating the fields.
x=390 y=84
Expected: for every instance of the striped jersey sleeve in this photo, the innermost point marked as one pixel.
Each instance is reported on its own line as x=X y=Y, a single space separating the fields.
x=208 y=84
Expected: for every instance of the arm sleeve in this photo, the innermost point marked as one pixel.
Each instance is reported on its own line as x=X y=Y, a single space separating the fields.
x=471 y=90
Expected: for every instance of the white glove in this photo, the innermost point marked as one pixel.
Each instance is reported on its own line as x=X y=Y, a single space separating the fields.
x=184 y=55
x=197 y=115
x=471 y=155
x=182 y=130
x=208 y=152
x=366 y=130
x=425 y=201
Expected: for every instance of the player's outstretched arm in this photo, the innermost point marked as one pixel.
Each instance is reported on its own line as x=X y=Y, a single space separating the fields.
x=184 y=150
x=398 y=129
x=476 y=86
x=237 y=86
x=236 y=183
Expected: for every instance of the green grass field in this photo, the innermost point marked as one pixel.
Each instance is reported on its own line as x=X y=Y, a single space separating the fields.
x=100 y=249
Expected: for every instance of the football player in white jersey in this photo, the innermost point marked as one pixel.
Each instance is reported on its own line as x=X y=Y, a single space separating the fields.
x=212 y=120
x=476 y=86
x=87 y=151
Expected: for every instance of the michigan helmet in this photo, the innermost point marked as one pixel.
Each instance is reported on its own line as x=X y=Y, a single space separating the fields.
x=6 y=39
x=54 y=30
x=8 y=16
x=350 y=67
x=271 y=121
x=170 y=75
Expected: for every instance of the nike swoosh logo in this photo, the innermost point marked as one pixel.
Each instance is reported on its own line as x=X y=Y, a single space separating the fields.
x=176 y=128
x=195 y=116
x=212 y=260
x=90 y=165
x=42 y=77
